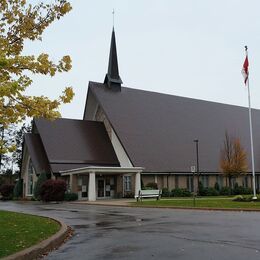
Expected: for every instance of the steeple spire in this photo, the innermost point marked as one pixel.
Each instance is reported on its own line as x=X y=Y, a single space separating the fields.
x=112 y=78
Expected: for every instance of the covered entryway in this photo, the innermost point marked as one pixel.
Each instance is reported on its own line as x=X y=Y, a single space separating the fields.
x=106 y=187
x=93 y=183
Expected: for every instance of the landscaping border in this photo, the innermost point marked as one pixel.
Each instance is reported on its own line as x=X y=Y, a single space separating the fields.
x=44 y=246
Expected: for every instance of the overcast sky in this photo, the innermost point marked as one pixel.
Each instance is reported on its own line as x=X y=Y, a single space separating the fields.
x=186 y=48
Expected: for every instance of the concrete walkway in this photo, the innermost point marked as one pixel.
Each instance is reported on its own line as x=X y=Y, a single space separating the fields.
x=108 y=202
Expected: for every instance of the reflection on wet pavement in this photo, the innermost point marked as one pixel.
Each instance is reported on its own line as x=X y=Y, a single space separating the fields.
x=103 y=232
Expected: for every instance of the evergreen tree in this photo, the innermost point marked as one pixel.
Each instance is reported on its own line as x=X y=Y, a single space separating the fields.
x=18 y=189
x=41 y=179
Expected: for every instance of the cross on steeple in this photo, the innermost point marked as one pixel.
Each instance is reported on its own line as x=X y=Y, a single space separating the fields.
x=113 y=12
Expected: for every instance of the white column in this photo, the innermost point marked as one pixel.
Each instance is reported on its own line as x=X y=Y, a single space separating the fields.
x=137 y=183
x=71 y=180
x=92 y=186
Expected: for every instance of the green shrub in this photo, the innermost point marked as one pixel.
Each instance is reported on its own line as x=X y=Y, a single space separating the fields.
x=225 y=191
x=166 y=192
x=18 y=189
x=180 y=193
x=6 y=190
x=238 y=198
x=247 y=191
x=41 y=179
x=53 y=190
x=240 y=190
x=211 y=192
x=151 y=186
x=245 y=198
x=70 y=196
x=201 y=190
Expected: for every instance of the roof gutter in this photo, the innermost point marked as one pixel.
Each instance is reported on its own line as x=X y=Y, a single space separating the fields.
x=97 y=169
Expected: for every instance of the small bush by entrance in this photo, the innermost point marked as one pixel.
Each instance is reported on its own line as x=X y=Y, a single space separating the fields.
x=53 y=190
x=70 y=196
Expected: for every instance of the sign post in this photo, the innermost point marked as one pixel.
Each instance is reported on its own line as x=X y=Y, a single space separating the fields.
x=193 y=169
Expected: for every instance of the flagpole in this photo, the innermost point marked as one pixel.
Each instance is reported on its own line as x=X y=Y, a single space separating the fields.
x=251 y=134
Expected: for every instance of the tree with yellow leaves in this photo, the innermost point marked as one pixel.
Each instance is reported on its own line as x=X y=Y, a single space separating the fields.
x=233 y=158
x=21 y=21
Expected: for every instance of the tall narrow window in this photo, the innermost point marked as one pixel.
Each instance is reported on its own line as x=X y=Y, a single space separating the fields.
x=245 y=181
x=205 y=181
x=219 y=181
x=30 y=179
x=127 y=183
x=176 y=180
x=233 y=182
x=258 y=183
x=190 y=185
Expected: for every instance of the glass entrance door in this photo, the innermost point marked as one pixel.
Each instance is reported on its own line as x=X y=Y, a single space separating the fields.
x=106 y=187
x=101 y=188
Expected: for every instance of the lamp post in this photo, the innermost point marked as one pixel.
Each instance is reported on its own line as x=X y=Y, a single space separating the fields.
x=196 y=141
x=193 y=169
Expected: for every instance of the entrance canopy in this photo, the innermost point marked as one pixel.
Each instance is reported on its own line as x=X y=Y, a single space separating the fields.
x=97 y=169
x=91 y=172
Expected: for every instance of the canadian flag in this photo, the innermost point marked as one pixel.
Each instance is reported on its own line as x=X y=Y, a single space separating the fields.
x=245 y=71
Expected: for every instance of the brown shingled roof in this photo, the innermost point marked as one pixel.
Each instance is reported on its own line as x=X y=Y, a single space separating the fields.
x=37 y=153
x=73 y=144
x=157 y=130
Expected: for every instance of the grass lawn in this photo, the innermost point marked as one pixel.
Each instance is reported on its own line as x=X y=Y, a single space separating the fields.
x=19 y=231
x=213 y=202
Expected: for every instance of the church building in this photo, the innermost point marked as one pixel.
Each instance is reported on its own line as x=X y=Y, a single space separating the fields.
x=129 y=137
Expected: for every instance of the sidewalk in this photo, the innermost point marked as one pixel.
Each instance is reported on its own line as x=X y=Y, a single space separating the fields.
x=107 y=202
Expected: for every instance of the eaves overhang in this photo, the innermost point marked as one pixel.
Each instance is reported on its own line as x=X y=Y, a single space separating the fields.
x=96 y=169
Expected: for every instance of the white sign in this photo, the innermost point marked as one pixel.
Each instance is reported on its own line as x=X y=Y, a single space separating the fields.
x=84 y=188
x=193 y=168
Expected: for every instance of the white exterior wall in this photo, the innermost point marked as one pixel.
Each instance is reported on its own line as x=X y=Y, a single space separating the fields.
x=25 y=161
x=120 y=152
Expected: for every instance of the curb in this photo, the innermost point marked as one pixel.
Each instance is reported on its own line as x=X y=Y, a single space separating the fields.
x=44 y=246
x=202 y=209
x=170 y=207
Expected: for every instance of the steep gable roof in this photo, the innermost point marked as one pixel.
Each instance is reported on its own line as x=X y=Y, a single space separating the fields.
x=70 y=143
x=38 y=156
x=157 y=130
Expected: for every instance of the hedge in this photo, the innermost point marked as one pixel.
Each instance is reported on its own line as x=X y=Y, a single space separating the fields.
x=53 y=190
x=6 y=190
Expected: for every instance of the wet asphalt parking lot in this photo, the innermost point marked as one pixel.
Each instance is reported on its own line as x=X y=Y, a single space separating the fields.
x=106 y=232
